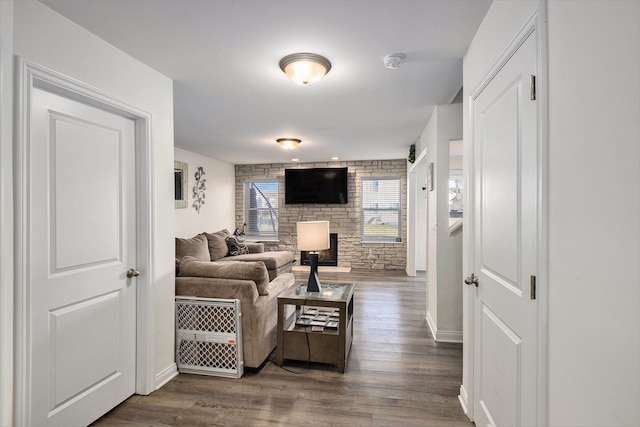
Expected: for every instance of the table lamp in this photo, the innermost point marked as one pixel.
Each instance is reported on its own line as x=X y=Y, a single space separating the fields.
x=313 y=236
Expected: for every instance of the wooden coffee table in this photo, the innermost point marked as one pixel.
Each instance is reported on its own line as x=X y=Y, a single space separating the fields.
x=298 y=339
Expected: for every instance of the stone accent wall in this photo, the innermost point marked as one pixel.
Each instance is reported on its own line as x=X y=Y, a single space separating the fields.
x=343 y=219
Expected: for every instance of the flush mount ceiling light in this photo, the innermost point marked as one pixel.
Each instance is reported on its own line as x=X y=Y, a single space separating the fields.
x=288 y=143
x=305 y=68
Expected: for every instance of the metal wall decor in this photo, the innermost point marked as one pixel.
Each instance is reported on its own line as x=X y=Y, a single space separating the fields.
x=198 y=189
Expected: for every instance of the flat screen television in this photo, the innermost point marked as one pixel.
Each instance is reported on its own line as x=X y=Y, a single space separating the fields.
x=315 y=185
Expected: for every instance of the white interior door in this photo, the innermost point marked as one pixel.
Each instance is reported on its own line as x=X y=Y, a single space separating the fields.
x=81 y=241
x=504 y=241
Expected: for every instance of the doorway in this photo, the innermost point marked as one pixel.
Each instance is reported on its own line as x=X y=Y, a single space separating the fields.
x=75 y=140
x=504 y=313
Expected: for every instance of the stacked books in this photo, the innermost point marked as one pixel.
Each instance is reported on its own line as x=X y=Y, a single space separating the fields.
x=318 y=318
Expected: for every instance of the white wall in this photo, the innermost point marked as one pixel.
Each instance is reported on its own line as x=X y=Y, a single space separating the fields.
x=6 y=217
x=449 y=247
x=219 y=210
x=594 y=205
x=594 y=192
x=417 y=215
x=421 y=217
x=46 y=38
x=428 y=139
x=444 y=253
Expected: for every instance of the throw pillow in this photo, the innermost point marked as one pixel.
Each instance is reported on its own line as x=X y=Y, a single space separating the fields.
x=239 y=270
x=236 y=247
x=217 y=245
x=196 y=247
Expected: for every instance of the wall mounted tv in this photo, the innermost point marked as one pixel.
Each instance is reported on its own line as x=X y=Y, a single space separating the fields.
x=316 y=185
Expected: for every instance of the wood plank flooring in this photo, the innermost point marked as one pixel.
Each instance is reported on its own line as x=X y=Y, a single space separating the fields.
x=396 y=375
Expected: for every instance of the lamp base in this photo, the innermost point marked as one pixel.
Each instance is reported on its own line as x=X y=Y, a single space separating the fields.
x=313 y=284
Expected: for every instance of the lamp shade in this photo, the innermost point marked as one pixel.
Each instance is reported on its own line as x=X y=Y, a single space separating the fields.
x=313 y=235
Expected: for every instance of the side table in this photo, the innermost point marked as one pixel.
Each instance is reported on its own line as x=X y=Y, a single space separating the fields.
x=302 y=335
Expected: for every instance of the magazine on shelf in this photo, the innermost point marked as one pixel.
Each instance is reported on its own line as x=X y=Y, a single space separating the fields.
x=318 y=322
x=319 y=318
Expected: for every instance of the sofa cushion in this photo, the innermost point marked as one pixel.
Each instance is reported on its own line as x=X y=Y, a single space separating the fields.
x=255 y=247
x=236 y=247
x=217 y=245
x=272 y=259
x=256 y=271
x=196 y=247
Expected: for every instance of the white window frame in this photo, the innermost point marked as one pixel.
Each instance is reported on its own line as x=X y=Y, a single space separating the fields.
x=398 y=209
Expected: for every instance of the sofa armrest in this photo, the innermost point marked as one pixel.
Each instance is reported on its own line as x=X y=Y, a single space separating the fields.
x=281 y=284
x=255 y=247
x=209 y=287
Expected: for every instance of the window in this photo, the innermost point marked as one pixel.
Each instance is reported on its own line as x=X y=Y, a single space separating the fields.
x=380 y=213
x=456 y=203
x=261 y=210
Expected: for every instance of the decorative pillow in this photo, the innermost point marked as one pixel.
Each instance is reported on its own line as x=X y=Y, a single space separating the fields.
x=256 y=271
x=217 y=245
x=236 y=246
x=196 y=247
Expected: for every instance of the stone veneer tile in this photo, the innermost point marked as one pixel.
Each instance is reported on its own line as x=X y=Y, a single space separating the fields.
x=344 y=219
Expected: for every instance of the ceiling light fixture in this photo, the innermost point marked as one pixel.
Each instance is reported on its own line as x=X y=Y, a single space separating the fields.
x=288 y=143
x=305 y=68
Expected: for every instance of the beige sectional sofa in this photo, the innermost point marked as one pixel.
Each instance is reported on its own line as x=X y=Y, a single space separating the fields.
x=205 y=269
x=213 y=247
x=247 y=281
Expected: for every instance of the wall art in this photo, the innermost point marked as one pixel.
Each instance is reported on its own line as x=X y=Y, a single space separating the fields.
x=199 y=188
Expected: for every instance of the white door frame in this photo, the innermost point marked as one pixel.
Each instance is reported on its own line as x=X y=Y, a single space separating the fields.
x=536 y=21
x=30 y=75
x=412 y=213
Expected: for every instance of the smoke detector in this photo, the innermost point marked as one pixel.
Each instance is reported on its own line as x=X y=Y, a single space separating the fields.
x=394 y=60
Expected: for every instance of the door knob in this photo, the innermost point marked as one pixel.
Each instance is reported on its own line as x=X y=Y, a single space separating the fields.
x=132 y=273
x=472 y=280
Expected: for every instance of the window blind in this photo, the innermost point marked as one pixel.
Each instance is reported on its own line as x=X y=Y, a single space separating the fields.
x=380 y=209
x=261 y=210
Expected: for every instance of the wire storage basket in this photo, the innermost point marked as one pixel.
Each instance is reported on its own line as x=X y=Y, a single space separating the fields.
x=209 y=336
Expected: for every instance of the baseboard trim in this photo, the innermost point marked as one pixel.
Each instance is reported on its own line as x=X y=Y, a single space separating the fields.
x=443 y=336
x=449 y=336
x=431 y=324
x=462 y=398
x=167 y=375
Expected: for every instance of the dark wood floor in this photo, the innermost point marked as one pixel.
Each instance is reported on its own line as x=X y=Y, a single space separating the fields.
x=396 y=375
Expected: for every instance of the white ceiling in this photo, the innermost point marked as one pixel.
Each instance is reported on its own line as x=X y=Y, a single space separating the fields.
x=232 y=101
